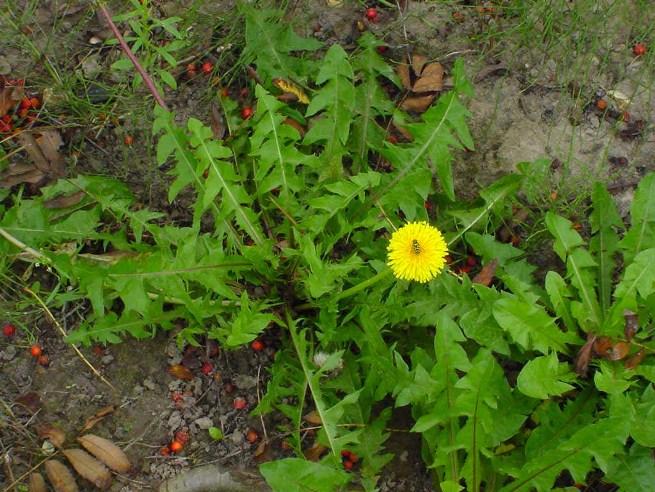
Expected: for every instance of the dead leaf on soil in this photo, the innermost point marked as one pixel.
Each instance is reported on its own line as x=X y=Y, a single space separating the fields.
x=315 y=452
x=9 y=97
x=180 y=372
x=313 y=418
x=584 y=356
x=417 y=104
x=486 y=275
x=418 y=62
x=20 y=173
x=37 y=483
x=31 y=401
x=431 y=78
x=89 y=468
x=403 y=72
x=263 y=452
x=52 y=433
x=97 y=417
x=64 y=201
x=44 y=151
x=107 y=452
x=60 y=476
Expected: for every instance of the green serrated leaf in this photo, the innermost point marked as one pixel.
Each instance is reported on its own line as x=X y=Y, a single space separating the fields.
x=543 y=377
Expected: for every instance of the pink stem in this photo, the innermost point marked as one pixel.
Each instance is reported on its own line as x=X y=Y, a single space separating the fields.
x=126 y=49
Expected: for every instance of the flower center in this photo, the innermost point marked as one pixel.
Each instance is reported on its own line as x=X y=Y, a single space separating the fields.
x=416 y=247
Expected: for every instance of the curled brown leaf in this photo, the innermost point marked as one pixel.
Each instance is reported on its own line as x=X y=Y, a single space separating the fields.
x=89 y=468
x=106 y=451
x=60 y=476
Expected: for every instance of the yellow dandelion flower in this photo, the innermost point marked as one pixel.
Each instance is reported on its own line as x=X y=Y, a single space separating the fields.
x=417 y=251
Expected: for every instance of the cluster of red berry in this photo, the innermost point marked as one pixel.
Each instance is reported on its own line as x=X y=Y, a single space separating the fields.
x=23 y=112
x=349 y=459
x=206 y=67
x=9 y=330
x=178 y=443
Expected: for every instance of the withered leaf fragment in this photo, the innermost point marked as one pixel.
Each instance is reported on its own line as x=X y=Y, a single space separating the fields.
x=89 y=468
x=631 y=324
x=37 y=483
x=60 y=477
x=106 y=451
x=431 y=79
x=635 y=360
x=619 y=351
x=64 y=201
x=486 y=275
x=97 y=417
x=52 y=433
x=584 y=356
x=180 y=372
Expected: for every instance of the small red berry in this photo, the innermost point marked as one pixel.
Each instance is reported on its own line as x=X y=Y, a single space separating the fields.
x=257 y=345
x=35 y=102
x=601 y=104
x=372 y=14
x=176 y=446
x=229 y=388
x=252 y=436
x=207 y=68
x=244 y=92
x=9 y=330
x=43 y=360
x=354 y=458
x=5 y=127
x=182 y=437
x=348 y=465
x=191 y=70
x=165 y=451
x=239 y=403
x=639 y=49
x=382 y=49
x=207 y=368
x=176 y=396
x=23 y=112
x=128 y=140
x=6 y=118
x=345 y=454
x=246 y=112
x=625 y=116
x=36 y=350
x=225 y=92
x=471 y=261
x=25 y=103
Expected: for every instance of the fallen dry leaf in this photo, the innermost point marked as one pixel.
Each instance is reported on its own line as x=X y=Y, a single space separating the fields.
x=97 y=417
x=294 y=124
x=89 y=468
x=431 y=79
x=180 y=372
x=106 y=451
x=9 y=97
x=417 y=104
x=584 y=356
x=20 y=173
x=60 y=477
x=486 y=275
x=313 y=418
x=619 y=351
x=31 y=401
x=602 y=345
x=53 y=434
x=635 y=360
x=403 y=72
x=44 y=151
x=264 y=452
x=315 y=452
x=37 y=483
x=418 y=62
x=631 y=324
x=64 y=201
x=217 y=123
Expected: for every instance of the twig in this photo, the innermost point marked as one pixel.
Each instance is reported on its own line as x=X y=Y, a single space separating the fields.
x=128 y=52
x=22 y=246
x=63 y=333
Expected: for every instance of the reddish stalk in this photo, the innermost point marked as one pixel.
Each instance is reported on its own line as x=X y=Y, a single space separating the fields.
x=126 y=49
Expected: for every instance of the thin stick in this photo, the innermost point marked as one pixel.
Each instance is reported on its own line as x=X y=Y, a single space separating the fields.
x=128 y=52
x=22 y=246
x=63 y=333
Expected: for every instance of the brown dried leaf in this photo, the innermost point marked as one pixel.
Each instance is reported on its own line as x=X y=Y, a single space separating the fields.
x=431 y=79
x=417 y=104
x=217 y=123
x=635 y=360
x=631 y=324
x=9 y=96
x=106 y=451
x=486 y=275
x=60 y=476
x=180 y=372
x=294 y=124
x=315 y=452
x=602 y=345
x=37 y=483
x=89 y=468
x=44 y=151
x=418 y=63
x=64 y=201
x=31 y=401
x=584 y=356
x=619 y=351
x=264 y=452
x=97 y=417
x=20 y=173
x=403 y=72
x=52 y=433
x=313 y=418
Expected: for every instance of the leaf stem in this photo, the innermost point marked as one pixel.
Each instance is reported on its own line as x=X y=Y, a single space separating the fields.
x=363 y=284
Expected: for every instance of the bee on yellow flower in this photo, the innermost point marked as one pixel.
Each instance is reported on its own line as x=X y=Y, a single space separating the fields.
x=417 y=251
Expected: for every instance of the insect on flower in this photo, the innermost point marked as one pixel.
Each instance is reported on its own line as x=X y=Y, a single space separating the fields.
x=417 y=251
